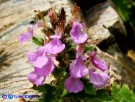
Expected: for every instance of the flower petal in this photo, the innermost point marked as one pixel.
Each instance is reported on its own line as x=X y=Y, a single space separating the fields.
x=38 y=58
x=73 y=84
x=32 y=77
x=76 y=33
x=36 y=79
x=99 y=80
x=26 y=36
x=77 y=68
x=80 y=52
x=46 y=70
x=55 y=46
x=40 y=81
x=99 y=63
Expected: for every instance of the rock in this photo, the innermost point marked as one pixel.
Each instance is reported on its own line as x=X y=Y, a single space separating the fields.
x=87 y=4
x=98 y=20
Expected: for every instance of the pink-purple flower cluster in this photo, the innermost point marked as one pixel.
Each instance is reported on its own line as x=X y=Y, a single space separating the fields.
x=99 y=78
x=43 y=58
x=78 y=69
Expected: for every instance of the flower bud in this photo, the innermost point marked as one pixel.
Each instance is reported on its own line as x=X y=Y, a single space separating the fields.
x=99 y=80
x=52 y=15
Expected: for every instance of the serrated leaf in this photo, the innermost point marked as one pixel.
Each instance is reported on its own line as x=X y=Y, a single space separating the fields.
x=88 y=87
x=44 y=87
x=37 y=41
x=122 y=93
x=77 y=97
x=47 y=91
x=59 y=92
x=104 y=96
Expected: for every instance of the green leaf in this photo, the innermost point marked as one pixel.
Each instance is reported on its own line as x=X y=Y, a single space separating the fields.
x=47 y=91
x=65 y=92
x=89 y=49
x=60 y=87
x=77 y=97
x=122 y=93
x=69 y=46
x=103 y=96
x=122 y=9
x=40 y=88
x=125 y=9
x=58 y=72
x=59 y=92
x=43 y=88
x=37 y=41
x=88 y=87
x=134 y=89
x=51 y=93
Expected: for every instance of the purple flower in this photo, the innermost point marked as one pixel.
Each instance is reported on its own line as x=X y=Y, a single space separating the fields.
x=73 y=84
x=45 y=63
x=55 y=46
x=77 y=68
x=97 y=62
x=36 y=79
x=38 y=58
x=99 y=80
x=76 y=33
x=45 y=70
x=26 y=36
